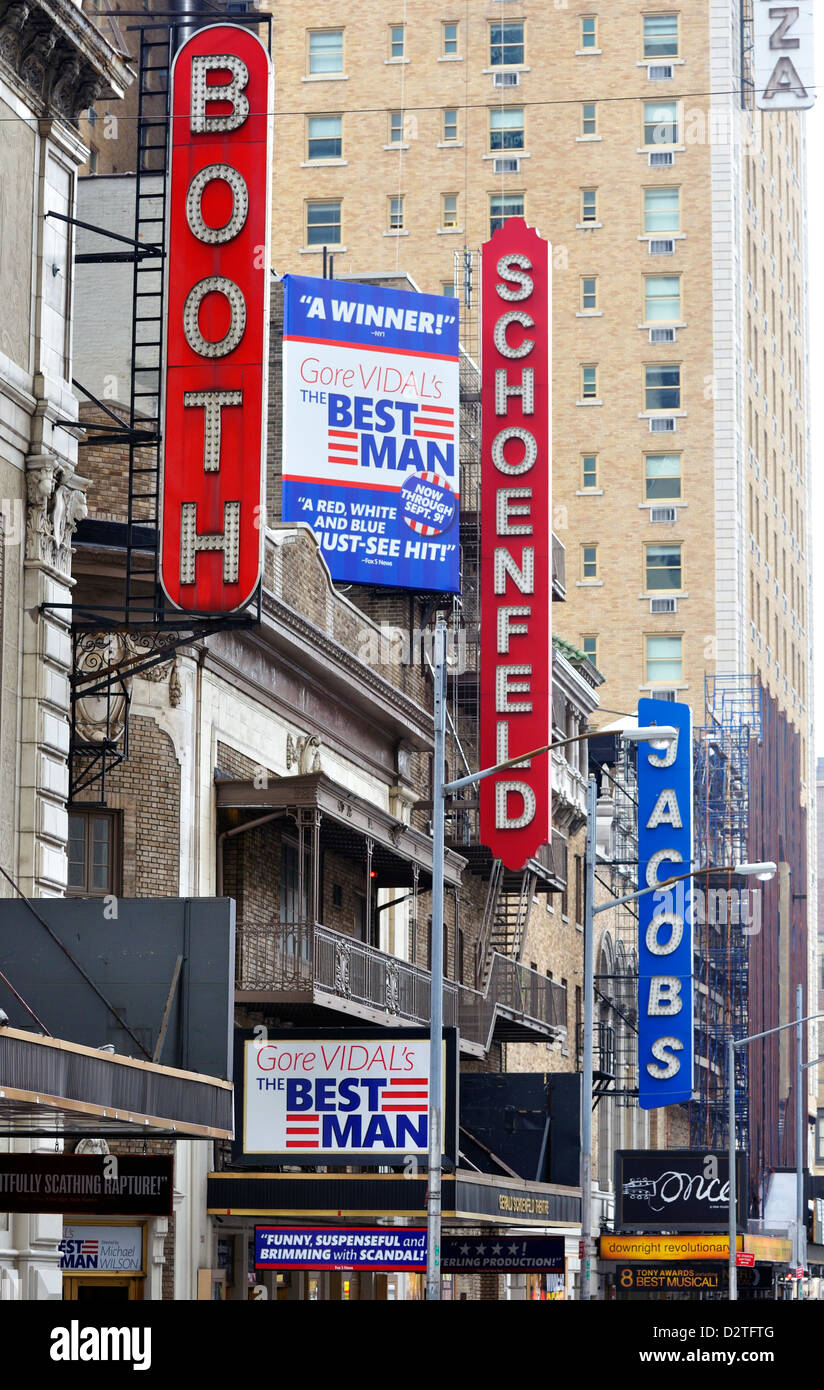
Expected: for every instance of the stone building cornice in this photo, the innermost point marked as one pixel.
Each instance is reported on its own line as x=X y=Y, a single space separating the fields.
x=332 y=657
x=56 y=59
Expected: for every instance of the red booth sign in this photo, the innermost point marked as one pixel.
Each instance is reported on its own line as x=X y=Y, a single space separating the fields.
x=516 y=542
x=214 y=425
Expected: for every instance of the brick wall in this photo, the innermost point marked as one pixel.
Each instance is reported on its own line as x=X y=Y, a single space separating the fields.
x=146 y=790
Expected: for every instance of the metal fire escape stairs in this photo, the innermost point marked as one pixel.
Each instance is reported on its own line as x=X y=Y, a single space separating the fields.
x=506 y=913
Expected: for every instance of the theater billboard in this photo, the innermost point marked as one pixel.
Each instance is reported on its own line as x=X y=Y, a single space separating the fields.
x=516 y=542
x=308 y=1096
x=371 y=450
x=217 y=298
x=665 y=963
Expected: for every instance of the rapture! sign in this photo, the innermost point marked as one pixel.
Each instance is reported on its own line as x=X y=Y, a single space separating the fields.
x=217 y=321
x=665 y=1017
x=516 y=542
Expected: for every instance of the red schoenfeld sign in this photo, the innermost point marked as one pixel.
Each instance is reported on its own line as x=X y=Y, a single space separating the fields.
x=214 y=426
x=516 y=542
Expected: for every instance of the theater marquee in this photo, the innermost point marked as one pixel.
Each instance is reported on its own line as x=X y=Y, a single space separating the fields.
x=217 y=321
x=516 y=542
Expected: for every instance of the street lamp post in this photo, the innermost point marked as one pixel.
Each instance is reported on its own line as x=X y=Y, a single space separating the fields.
x=591 y=910
x=732 y=1045
x=440 y=790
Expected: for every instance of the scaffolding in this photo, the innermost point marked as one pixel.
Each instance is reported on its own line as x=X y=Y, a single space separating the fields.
x=720 y=904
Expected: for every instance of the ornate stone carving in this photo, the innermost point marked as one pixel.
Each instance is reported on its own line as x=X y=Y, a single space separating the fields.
x=101 y=718
x=58 y=54
x=304 y=754
x=56 y=503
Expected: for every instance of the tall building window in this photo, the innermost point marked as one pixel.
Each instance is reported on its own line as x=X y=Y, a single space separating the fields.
x=662 y=298
x=589 y=205
x=324 y=137
x=660 y=36
x=589 y=293
x=662 y=210
x=589 y=382
x=663 y=567
x=92 y=853
x=396 y=127
x=449 y=211
x=589 y=562
x=589 y=470
x=589 y=646
x=450 y=124
x=660 y=122
x=325 y=51
x=589 y=118
x=450 y=40
x=502 y=206
x=397 y=41
x=662 y=477
x=662 y=387
x=506 y=128
x=323 y=224
x=396 y=213
x=663 y=663
x=589 y=31
x=506 y=45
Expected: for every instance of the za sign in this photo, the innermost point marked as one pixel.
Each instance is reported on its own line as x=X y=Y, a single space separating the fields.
x=370 y=430
x=665 y=1042
x=322 y=1096
x=217 y=324
x=516 y=543
x=783 y=55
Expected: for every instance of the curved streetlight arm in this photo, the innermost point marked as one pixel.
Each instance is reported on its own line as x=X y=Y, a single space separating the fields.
x=664 y=734
x=668 y=882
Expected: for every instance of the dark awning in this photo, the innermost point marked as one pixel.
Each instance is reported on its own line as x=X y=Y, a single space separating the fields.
x=472 y=1197
x=49 y=1086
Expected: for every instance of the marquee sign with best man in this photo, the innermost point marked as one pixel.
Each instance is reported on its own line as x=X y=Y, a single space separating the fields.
x=311 y=1096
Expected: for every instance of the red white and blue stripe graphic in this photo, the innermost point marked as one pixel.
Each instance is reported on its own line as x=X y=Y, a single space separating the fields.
x=303 y=1131
x=410 y=1095
x=435 y=422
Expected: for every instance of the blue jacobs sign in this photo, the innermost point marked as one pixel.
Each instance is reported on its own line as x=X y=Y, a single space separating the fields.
x=665 y=985
x=370 y=430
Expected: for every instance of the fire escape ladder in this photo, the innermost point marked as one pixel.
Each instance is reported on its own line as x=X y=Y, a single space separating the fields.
x=142 y=598
x=505 y=918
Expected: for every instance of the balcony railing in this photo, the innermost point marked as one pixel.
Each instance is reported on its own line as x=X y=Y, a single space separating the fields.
x=312 y=964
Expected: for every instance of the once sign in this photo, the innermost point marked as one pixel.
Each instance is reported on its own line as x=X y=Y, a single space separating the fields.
x=665 y=1028
x=676 y=1190
x=217 y=321
x=516 y=542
